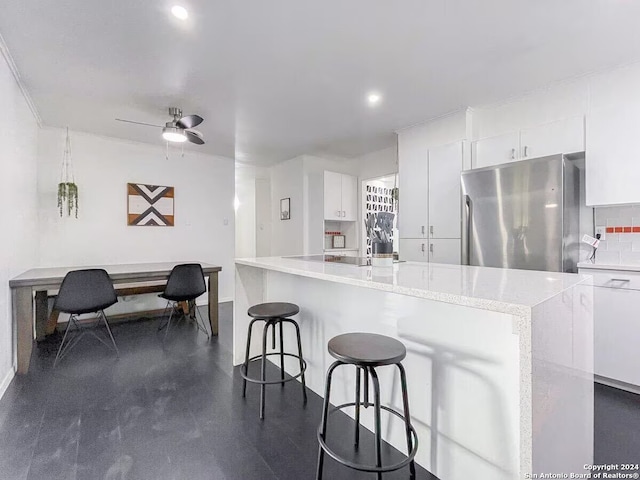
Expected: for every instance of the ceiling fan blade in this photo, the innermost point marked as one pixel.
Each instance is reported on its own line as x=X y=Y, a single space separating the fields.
x=137 y=123
x=193 y=138
x=190 y=121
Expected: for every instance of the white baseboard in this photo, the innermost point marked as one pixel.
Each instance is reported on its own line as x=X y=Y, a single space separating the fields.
x=6 y=381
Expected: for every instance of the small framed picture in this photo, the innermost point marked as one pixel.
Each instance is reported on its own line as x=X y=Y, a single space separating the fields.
x=337 y=241
x=285 y=208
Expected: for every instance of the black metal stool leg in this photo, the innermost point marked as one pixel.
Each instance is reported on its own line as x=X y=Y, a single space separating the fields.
x=378 y=424
x=407 y=416
x=357 y=435
x=246 y=357
x=325 y=416
x=366 y=388
x=304 y=385
x=281 y=352
x=263 y=376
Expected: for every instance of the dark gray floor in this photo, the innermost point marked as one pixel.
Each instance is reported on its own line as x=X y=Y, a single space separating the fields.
x=175 y=411
x=163 y=411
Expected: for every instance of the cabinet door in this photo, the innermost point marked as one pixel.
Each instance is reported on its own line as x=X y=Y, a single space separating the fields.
x=332 y=196
x=445 y=165
x=612 y=173
x=562 y=136
x=496 y=150
x=413 y=250
x=349 y=198
x=617 y=334
x=444 y=251
x=413 y=204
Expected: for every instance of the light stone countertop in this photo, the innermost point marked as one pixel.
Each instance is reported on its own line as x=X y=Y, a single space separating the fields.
x=494 y=289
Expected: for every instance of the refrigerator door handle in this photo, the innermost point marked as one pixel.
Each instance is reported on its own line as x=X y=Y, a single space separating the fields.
x=465 y=244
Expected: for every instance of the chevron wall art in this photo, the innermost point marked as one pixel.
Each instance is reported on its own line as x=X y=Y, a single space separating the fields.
x=149 y=205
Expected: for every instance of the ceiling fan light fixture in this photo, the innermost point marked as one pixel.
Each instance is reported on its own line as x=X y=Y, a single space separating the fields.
x=174 y=134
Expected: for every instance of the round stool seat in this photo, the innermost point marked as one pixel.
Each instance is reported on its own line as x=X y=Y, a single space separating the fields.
x=367 y=349
x=273 y=310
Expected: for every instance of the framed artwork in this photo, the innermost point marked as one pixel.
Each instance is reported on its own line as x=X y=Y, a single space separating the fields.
x=337 y=241
x=285 y=208
x=149 y=205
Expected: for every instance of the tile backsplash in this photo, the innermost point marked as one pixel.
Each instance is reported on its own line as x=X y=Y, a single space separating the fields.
x=621 y=243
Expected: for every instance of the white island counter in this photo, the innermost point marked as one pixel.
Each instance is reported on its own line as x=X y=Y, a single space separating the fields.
x=499 y=362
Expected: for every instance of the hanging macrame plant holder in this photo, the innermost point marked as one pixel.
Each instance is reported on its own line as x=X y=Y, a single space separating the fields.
x=67 y=188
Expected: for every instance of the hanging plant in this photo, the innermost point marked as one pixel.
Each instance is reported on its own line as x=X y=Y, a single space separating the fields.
x=67 y=188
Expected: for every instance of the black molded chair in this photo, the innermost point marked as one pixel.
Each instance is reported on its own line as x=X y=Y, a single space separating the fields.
x=185 y=284
x=84 y=291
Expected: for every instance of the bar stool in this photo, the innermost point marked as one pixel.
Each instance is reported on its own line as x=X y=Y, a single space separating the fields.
x=274 y=314
x=367 y=351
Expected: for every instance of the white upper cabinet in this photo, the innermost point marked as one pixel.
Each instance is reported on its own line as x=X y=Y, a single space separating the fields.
x=332 y=196
x=496 y=150
x=349 y=198
x=413 y=204
x=340 y=196
x=445 y=165
x=612 y=167
x=562 y=136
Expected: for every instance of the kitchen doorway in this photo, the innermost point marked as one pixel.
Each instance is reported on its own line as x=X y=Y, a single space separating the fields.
x=379 y=194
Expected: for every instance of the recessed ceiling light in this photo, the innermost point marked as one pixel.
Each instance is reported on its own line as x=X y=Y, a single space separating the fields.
x=374 y=98
x=180 y=12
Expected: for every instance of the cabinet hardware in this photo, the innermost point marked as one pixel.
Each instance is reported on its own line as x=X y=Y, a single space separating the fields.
x=513 y=154
x=344 y=214
x=431 y=230
x=431 y=248
x=422 y=248
x=338 y=212
x=422 y=228
x=526 y=150
x=623 y=280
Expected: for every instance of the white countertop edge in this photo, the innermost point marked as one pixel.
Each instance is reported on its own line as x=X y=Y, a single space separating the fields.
x=480 y=303
x=609 y=266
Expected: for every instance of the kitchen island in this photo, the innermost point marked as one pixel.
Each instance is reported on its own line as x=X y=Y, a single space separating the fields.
x=499 y=362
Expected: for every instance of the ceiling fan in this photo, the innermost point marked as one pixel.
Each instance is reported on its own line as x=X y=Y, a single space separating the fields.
x=180 y=129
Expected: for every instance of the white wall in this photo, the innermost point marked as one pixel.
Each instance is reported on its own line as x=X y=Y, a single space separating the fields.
x=439 y=131
x=377 y=164
x=18 y=215
x=287 y=181
x=247 y=207
x=204 y=216
x=264 y=221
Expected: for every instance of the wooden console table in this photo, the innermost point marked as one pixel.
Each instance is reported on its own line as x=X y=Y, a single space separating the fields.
x=37 y=281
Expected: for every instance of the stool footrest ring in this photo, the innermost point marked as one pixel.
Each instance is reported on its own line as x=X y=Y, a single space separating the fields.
x=243 y=369
x=370 y=468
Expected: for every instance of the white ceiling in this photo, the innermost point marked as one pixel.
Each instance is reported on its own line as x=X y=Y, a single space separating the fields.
x=278 y=78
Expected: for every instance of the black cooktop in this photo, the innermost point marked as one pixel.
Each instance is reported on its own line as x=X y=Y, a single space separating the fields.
x=358 y=261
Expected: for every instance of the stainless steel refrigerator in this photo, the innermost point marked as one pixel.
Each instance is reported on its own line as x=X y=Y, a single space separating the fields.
x=523 y=215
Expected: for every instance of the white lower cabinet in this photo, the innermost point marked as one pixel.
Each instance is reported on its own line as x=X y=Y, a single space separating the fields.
x=444 y=250
x=413 y=250
x=616 y=325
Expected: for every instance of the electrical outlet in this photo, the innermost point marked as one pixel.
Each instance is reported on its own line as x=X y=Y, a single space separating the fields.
x=602 y=231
